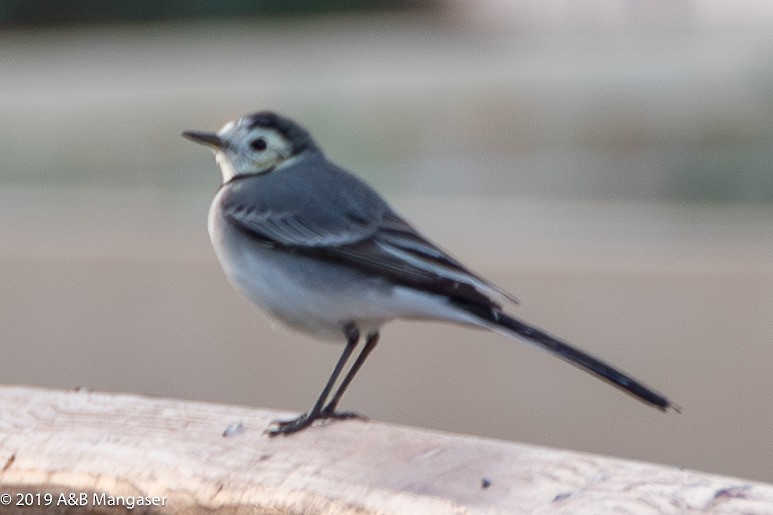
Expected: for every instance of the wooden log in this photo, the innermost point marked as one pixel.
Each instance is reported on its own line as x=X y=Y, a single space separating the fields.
x=101 y=452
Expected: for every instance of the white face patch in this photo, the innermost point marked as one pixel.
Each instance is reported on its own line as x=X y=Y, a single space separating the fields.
x=250 y=150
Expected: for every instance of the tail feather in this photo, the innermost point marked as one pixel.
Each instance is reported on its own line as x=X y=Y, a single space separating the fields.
x=497 y=320
x=584 y=361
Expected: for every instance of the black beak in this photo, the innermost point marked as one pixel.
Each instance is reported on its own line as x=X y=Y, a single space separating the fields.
x=205 y=138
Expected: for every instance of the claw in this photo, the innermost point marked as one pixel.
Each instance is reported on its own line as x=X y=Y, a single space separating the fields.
x=288 y=427
x=341 y=415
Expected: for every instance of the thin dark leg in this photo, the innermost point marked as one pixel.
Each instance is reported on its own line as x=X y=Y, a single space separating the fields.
x=286 y=427
x=330 y=410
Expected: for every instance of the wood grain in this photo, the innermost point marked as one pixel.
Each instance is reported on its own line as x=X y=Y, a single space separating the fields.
x=75 y=442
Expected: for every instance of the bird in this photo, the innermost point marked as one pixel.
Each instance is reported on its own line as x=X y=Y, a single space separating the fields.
x=315 y=246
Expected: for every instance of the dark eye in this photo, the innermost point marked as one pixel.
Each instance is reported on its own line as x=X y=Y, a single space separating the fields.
x=258 y=144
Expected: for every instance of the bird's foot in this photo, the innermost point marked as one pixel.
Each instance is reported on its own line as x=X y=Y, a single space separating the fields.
x=288 y=427
x=330 y=413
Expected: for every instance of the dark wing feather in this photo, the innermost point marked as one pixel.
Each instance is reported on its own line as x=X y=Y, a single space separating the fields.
x=399 y=252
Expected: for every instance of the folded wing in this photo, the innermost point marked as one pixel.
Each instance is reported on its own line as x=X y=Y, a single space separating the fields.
x=352 y=225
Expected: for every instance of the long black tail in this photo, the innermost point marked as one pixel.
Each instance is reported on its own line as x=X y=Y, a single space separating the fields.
x=574 y=356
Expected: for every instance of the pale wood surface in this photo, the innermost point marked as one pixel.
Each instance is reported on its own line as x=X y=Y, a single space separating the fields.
x=129 y=445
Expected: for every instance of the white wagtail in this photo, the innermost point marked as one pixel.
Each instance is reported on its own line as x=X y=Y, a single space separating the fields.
x=313 y=245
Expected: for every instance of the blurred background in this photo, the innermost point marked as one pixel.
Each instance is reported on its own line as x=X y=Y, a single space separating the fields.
x=609 y=163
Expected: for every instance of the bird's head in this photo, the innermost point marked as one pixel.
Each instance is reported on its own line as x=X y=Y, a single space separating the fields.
x=254 y=144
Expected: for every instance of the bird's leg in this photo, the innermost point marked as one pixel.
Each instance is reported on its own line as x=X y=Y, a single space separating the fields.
x=329 y=411
x=286 y=427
